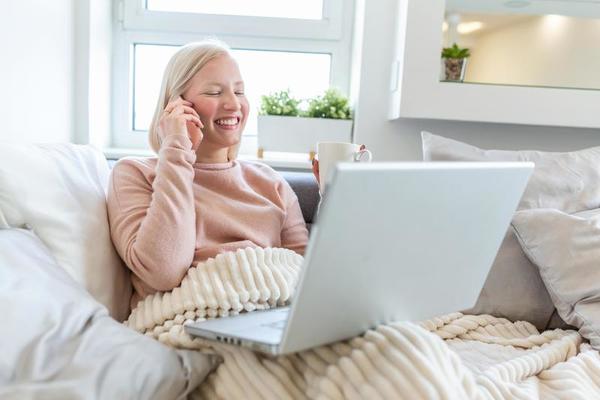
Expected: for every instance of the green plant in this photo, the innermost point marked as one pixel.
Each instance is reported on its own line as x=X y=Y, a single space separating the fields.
x=279 y=103
x=455 y=52
x=331 y=105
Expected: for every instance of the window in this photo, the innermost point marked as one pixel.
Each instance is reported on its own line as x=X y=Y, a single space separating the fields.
x=303 y=46
x=263 y=71
x=307 y=9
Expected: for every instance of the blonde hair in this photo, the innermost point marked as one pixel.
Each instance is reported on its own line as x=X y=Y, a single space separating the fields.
x=182 y=67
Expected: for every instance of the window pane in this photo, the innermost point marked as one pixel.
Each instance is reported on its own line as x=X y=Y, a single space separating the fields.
x=305 y=74
x=306 y=9
x=149 y=64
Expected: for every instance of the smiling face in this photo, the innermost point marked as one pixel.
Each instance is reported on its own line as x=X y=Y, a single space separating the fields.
x=217 y=91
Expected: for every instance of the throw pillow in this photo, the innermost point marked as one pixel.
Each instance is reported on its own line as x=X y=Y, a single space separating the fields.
x=59 y=190
x=59 y=343
x=513 y=288
x=566 y=249
x=566 y=181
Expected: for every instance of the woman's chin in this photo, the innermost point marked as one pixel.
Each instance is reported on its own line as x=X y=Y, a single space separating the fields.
x=230 y=138
x=224 y=137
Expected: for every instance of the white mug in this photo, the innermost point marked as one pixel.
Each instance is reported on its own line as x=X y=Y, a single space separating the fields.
x=330 y=153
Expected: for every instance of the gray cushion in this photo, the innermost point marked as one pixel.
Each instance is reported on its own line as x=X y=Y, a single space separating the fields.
x=513 y=288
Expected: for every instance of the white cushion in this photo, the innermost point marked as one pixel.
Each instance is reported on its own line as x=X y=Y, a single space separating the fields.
x=59 y=343
x=566 y=181
x=566 y=249
x=60 y=191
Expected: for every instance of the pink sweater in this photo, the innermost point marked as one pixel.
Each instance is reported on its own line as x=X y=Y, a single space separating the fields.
x=167 y=213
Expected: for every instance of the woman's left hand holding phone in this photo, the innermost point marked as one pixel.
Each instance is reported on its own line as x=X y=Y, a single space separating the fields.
x=180 y=118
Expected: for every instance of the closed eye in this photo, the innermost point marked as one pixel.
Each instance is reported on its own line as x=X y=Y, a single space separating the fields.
x=212 y=93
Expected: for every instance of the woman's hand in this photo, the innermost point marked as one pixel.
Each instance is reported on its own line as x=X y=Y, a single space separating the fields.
x=315 y=169
x=180 y=118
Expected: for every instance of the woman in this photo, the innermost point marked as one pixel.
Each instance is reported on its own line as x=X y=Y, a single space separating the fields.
x=195 y=200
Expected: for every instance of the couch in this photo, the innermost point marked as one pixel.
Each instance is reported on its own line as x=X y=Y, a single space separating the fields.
x=63 y=287
x=62 y=291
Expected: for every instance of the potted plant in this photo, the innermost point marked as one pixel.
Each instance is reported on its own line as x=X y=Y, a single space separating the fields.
x=279 y=103
x=283 y=125
x=455 y=62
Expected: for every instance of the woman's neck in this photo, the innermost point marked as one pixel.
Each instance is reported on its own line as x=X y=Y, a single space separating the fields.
x=206 y=155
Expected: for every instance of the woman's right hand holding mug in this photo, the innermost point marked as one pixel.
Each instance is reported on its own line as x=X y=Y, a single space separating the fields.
x=180 y=118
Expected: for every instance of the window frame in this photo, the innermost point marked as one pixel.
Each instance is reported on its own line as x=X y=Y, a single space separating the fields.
x=137 y=17
x=136 y=25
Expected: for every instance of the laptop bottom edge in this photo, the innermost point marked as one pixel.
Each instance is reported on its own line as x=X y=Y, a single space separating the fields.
x=231 y=339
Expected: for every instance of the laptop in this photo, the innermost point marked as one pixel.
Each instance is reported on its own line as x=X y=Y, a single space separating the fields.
x=392 y=242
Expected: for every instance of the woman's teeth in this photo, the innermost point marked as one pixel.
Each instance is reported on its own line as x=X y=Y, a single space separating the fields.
x=227 y=121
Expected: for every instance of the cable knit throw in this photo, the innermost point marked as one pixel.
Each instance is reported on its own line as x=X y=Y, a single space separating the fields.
x=450 y=357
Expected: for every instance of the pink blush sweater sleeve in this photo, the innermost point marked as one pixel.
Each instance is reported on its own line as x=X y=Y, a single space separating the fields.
x=167 y=213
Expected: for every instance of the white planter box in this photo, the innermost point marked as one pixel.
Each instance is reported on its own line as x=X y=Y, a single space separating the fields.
x=299 y=134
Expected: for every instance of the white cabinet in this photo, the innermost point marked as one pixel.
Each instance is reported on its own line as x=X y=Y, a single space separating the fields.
x=416 y=90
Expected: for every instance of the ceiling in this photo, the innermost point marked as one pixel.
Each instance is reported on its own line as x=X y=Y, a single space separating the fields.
x=573 y=8
x=494 y=21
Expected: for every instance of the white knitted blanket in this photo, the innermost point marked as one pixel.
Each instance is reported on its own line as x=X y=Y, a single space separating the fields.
x=450 y=357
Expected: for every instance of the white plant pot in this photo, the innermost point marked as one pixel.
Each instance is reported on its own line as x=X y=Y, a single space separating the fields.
x=299 y=134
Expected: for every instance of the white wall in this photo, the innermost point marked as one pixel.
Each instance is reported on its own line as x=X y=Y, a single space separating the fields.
x=93 y=52
x=36 y=71
x=400 y=139
x=550 y=50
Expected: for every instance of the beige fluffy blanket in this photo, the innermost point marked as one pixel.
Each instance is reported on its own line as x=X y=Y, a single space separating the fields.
x=451 y=357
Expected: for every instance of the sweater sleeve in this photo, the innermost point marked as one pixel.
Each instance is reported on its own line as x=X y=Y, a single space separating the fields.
x=294 y=235
x=153 y=224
